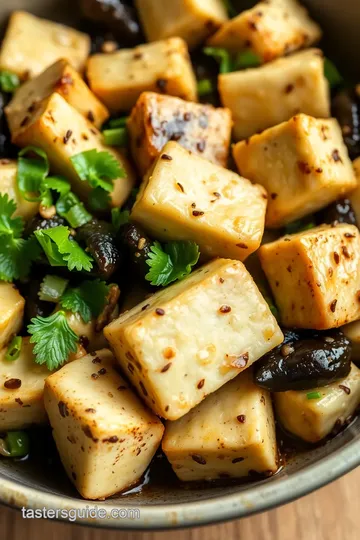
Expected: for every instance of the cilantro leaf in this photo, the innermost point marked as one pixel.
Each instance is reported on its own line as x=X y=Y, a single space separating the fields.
x=9 y=82
x=89 y=299
x=99 y=169
x=8 y=224
x=54 y=339
x=32 y=173
x=173 y=262
x=222 y=56
x=61 y=251
x=119 y=218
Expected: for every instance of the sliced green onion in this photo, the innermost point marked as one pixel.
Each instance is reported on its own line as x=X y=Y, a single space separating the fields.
x=247 y=59
x=14 y=349
x=332 y=73
x=118 y=122
x=116 y=137
x=17 y=443
x=313 y=395
x=9 y=82
x=222 y=56
x=70 y=208
x=205 y=87
x=52 y=288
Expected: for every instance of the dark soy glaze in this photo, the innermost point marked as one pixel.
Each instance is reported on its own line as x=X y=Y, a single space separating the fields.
x=137 y=246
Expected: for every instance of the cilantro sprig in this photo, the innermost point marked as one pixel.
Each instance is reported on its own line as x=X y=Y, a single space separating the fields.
x=119 y=218
x=99 y=169
x=88 y=299
x=172 y=262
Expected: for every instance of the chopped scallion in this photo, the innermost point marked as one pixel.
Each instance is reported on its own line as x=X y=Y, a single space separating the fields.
x=116 y=137
x=205 y=87
x=14 y=349
x=9 y=82
x=17 y=443
x=313 y=395
x=118 y=122
x=222 y=56
x=247 y=59
x=52 y=288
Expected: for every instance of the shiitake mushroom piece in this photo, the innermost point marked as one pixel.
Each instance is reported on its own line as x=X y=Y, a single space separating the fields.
x=136 y=245
x=38 y=223
x=100 y=242
x=340 y=211
x=304 y=361
x=346 y=109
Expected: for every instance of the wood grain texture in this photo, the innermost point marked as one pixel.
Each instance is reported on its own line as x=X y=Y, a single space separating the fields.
x=331 y=513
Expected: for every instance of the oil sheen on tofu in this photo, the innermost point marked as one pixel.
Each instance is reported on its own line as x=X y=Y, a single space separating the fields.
x=188 y=340
x=185 y=197
x=229 y=435
x=105 y=436
x=314 y=419
x=323 y=266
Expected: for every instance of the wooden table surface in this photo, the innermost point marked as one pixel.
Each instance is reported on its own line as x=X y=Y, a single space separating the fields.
x=332 y=513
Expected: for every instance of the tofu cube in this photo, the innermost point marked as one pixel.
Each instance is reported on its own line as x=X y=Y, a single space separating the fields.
x=314 y=419
x=187 y=340
x=355 y=195
x=231 y=434
x=192 y=20
x=62 y=78
x=8 y=186
x=119 y=78
x=352 y=332
x=302 y=163
x=270 y=30
x=157 y=119
x=62 y=132
x=21 y=390
x=12 y=306
x=263 y=97
x=105 y=436
x=31 y=45
x=185 y=197
x=315 y=276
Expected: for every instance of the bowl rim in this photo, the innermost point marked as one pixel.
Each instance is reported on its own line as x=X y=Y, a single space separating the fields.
x=217 y=509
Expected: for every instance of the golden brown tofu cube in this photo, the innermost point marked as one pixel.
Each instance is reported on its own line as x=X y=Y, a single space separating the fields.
x=12 y=306
x=62 y=78
x=157 y=119
x=185 y=197
x=263 y=97
x=32 y=44
x=269 y=29
x=9 y=186
x=62 y=132
x=303 y=164
x=192 y=20
x=119 y=78
x=315 y=276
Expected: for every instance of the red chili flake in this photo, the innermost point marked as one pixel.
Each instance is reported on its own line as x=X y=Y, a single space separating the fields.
x=19 y=401
x=273 y=196
x=112 y=439
x=161 y=84
x=289 y=88
x=304 y=167
x=145 y=307
x=137 y=55
x=349 y=235
x=333 y=305
x=345 y=251
x=197 y=213
x=199 y=459
x=102 y=371
x=242 y=245
x=336 y=156
x=88 y=433
x=94 y=376
x=241 y=418
x=237 y=460
x=180 y=186
x=225 y=309
x=166 y=157
x=12 y=384
x=319 y=170
x=160 y=312
x=63 y=410
x=166 y=367
x=336 y=257
x=91 y=116
x=221 y=280
x=90 y=410
x=201 y=384
x=96 y=360
x=67 y=136
x=252 y=25
x=289 y=269
x=345 y=388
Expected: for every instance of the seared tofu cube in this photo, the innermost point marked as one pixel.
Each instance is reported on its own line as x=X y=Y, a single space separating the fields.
x=313 y=414
x=303 y=164
x=21 y=390
x=62 y=78
x=185 y=197
x=12 y=306
x=119 y=78
x=8 y=186
x=263 y=97
x=62 y=132
x=31 y=45
x=352 y=332
x=229 y=435
x=157 y=119
x=187 y=340
x=315 y=276
x=192 y=20
x=105 y=436
x=270 y=30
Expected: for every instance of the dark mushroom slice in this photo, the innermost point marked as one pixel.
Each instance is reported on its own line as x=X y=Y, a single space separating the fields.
x=7 y=149
x=346 y=109
x=100 y=243
x=340 y=211
x=305 y=363
x=38 y=223
x=137 y=246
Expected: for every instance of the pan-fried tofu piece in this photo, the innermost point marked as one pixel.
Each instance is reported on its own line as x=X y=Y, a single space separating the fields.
x=119 y=78
x=189 y=339
x=313 y=414
x=62 y=78
x=192 y=20
x=21 y=390
x=157 y=119
x=352 y=332
x=231 y=434
x=185 y=197
x=62 y=132
x=32 y=44
x=355 y=195
x=315 y=276
x=270 y=29
x=263 y=97
x=303 y=164
x=8 y=186
x=105 y=436
x=87 y=331
x=12 y=306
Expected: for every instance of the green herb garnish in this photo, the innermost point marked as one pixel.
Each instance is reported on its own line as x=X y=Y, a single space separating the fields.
x=118 y=122
x=88 y=299
x=32 y=173
x=17 y=444
x=205 y=87
x=119 y=218
x=116 y=137
x=9 y=82
x=72 y=209
x=313 y=395
x=171 y=262
x=247 y=59
x=14 y=349
x=222 y=56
